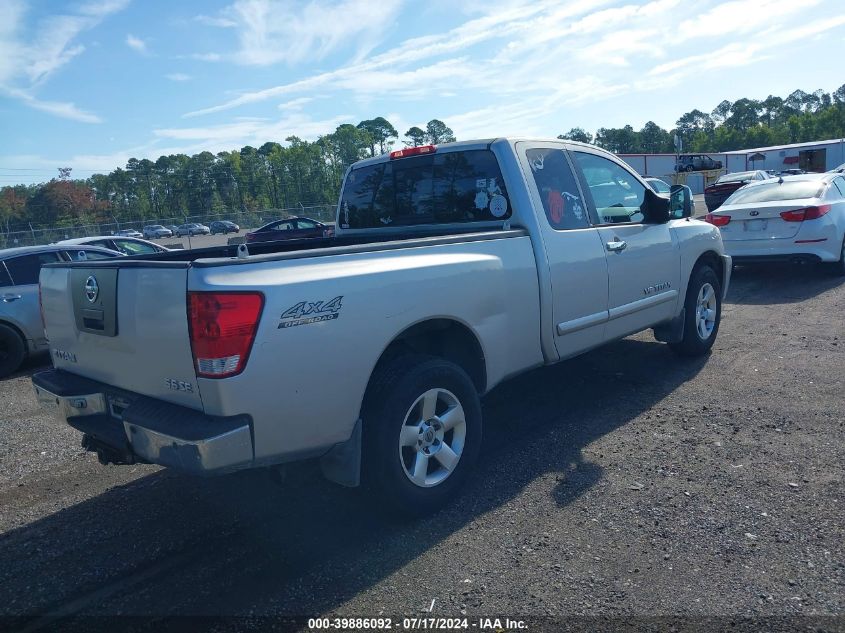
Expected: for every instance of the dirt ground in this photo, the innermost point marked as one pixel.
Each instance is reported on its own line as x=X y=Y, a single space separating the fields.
x=622 y=483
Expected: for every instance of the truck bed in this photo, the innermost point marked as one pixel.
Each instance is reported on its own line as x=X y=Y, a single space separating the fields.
x=317 y=247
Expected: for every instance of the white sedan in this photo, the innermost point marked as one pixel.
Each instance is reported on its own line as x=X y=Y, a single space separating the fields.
x=791 y=218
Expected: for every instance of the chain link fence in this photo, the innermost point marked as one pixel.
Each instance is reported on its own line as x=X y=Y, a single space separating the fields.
x=245 y=219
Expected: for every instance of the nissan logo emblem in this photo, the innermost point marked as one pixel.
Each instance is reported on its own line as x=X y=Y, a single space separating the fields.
x=92 y=290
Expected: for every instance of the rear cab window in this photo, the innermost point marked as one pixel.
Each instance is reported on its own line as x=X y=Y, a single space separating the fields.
x=440 y=188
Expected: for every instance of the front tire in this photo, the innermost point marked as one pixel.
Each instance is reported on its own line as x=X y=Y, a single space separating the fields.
x=702 y=312
x=422 y=433
x=12 y=351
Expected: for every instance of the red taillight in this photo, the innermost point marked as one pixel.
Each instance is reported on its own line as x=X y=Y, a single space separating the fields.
x=222 y=327
x=717 y=220
x=413 y=151
x=807 y=213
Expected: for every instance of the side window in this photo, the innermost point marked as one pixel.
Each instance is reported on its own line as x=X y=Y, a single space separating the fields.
x=5 y=280
x=430 y=189
x=133 y=248
x=76 y=254
x=617 y=195
x=840 y=184
x=558 y=189
x=24 y=269
x=306 y=224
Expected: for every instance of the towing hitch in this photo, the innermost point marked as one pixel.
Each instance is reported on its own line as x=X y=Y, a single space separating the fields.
x=107 y=454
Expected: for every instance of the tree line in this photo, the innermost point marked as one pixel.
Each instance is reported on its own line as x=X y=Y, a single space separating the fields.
x=303 y=172
x=745 y=123
x=249 y=179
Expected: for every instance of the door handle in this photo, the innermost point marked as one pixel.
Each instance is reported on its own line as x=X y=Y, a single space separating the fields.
x=10 y=298
x=617 y=245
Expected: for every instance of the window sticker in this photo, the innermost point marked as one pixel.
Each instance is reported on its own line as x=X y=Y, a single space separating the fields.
x=498 y=206
x=537 y=162
x=556 y=205
x=345 y=224
x=575 y=203
x=481 y=200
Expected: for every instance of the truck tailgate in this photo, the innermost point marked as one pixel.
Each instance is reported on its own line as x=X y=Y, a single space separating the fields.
x=124 y=324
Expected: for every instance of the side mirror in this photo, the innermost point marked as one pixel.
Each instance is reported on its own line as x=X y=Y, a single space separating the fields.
x=681 y=204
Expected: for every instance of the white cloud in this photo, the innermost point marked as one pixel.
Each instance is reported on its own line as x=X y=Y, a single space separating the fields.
x=177 y=77
x=295 y=104
x=136 y=44
x=28 y=61
x=220 y=22
x=64 y=110
x=286 y=31
x=206 y=57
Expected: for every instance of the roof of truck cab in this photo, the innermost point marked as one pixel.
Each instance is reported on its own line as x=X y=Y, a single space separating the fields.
x=483 y=143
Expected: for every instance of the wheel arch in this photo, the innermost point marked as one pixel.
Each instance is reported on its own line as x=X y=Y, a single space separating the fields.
x=17 y=329
x=442 y=337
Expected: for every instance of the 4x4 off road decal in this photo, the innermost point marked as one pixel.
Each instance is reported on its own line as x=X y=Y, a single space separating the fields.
x=306 y=312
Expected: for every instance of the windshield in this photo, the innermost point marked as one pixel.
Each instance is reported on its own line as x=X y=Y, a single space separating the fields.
x=739 y=176
x=771 y=192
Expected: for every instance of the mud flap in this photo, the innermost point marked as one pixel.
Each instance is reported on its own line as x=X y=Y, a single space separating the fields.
x=342 y=464
x=671 y=331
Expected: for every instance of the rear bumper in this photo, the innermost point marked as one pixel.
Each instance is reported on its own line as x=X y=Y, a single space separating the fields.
x=145 y=429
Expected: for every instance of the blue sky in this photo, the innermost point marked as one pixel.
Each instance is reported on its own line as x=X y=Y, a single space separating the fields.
x=90 y=84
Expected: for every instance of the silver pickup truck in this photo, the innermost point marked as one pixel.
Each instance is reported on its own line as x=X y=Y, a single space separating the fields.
x=452 y=269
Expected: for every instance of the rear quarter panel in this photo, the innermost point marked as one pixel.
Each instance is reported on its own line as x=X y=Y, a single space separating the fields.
x=304 y=384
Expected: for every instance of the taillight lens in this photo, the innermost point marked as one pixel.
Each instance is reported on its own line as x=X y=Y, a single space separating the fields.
x=222 y=327
x=717 y=220
x=807 y=213
x=413 y=151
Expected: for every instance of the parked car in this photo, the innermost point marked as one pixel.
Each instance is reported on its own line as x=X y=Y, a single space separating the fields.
x=21 y=330
x=791 y=172
x=371 y=350
x=154 y=231
x=660 y=186
x=173 y=228
x=129 y=233
x=293 y=228
x=223 y=226
x=191 y=229
x=838 y=170
x=125 y=245
x=791 y=218
x=718 y=192
x=696 y=162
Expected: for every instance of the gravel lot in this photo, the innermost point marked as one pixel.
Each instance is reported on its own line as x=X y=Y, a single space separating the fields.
x=624 y=482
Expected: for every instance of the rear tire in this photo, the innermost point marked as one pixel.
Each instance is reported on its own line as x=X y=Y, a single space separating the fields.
x=12 y=351
x=422 y=433
x=702 y=313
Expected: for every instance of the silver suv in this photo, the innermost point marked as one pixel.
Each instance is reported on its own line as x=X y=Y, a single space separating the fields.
x=21 y=331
